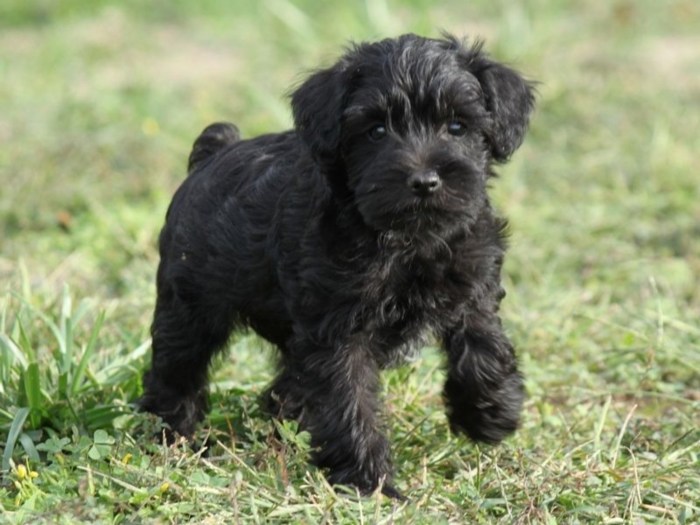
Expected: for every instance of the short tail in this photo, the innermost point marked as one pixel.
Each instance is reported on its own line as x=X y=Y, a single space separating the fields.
x=214 y=138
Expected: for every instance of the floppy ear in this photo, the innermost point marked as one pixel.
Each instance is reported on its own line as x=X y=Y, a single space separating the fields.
x=510 y=100
x=317 y=106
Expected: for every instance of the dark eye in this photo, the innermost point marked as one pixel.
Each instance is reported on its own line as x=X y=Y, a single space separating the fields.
x=456 y=128
x=378 y=132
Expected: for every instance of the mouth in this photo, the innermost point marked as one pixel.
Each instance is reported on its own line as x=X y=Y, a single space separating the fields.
x=415 y=216
x=422 y=216
x=396 y=207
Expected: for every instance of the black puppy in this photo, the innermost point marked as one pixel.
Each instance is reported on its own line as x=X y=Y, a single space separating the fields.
x=345 y=240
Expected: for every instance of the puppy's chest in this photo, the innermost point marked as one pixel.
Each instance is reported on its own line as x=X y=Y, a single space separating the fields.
x=399 y=292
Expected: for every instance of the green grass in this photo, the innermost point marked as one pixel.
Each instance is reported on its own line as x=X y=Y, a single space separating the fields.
x=99 y=103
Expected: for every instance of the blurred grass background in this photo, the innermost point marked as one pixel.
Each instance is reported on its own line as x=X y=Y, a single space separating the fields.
x=99 y=104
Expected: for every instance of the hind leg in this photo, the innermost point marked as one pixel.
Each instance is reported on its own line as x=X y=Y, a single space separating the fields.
x=175 y=388
x=280 y=399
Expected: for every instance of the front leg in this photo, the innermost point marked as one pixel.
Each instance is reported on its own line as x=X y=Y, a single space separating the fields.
x=484 y=391
x=334 y=394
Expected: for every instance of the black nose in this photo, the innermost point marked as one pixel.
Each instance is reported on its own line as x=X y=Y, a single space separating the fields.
x=424 y=183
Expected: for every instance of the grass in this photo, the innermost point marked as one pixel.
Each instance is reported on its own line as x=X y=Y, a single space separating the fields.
x=100 y=102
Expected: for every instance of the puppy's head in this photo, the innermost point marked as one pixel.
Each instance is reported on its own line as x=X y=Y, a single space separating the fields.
x=410 y=126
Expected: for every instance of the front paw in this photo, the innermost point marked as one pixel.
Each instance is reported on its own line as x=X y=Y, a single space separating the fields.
x=181 y=413
x=368 y=468
x=366 y=484
x=393 y=493
x=489 y=415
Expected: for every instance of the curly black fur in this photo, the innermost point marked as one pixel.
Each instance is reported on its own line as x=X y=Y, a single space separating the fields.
x=342 y=242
